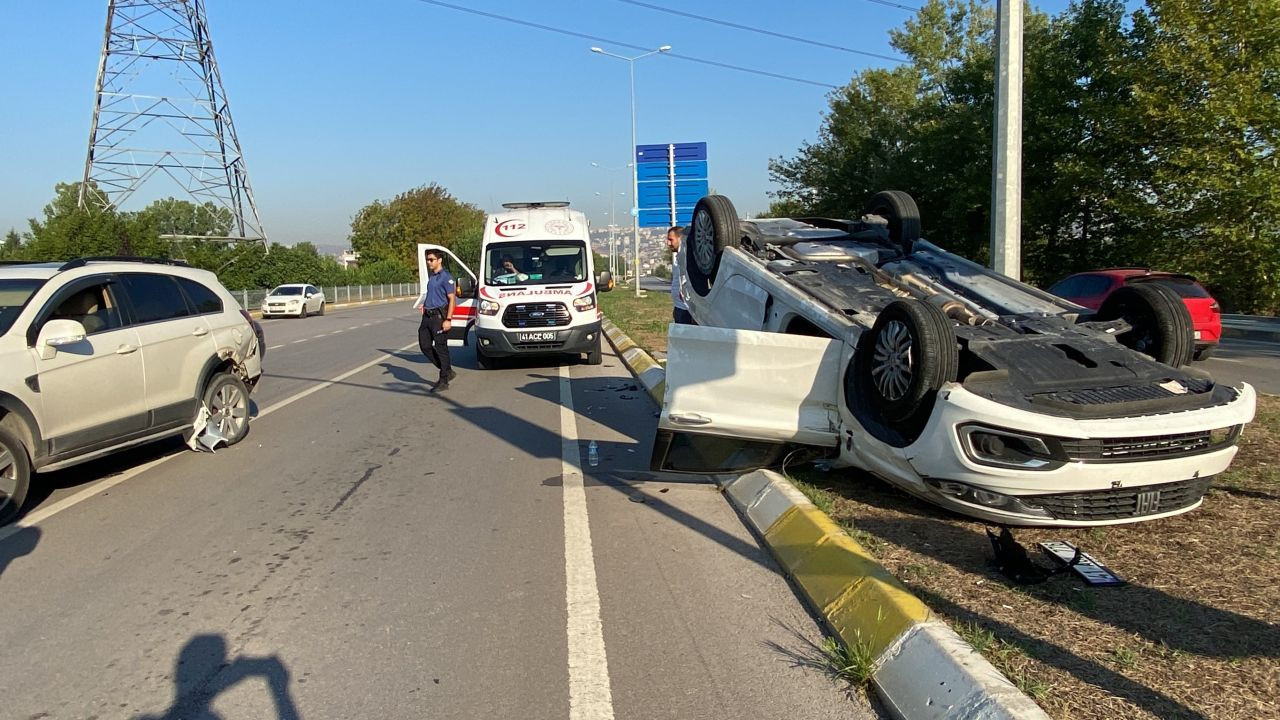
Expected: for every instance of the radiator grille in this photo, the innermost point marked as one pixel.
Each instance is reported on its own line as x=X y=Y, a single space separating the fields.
x=1121 y=503
x=534 y=315
x=1139 y=448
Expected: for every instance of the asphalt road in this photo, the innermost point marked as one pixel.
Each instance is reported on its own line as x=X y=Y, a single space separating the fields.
x=1253 y=361
x=373 y=551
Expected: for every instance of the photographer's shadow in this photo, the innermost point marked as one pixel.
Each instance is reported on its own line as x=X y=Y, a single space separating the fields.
x=204 y=671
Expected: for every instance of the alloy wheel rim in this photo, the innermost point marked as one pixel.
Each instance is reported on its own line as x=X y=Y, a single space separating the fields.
x=703 y=241
x=892 y=369
x=8 y=476
x=230 y=410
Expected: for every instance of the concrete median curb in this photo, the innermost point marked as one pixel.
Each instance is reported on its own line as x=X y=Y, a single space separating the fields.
x=923 y=669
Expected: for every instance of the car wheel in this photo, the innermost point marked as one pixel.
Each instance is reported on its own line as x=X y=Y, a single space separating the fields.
x=15 y=475
x=483 y=361
x=228 y=401
x=903 y=360
x=595 y=356
x=303 y=312
x=1160 y=324
x=903 y=215
x=714 y=227
x=321 y=313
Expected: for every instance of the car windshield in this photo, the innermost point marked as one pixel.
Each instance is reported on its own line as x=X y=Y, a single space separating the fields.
x=288 y=290
x=14 y=295
x=536 y=263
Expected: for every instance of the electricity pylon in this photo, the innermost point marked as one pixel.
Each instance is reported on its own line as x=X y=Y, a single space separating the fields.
x=161 y=109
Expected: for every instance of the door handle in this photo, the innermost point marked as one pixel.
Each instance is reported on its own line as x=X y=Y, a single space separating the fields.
x=200 y=332
x=690 y=419
x=126 y=349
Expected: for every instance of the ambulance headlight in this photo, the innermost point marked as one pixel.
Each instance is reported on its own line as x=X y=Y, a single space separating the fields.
x=488 y=307
x=586 y=302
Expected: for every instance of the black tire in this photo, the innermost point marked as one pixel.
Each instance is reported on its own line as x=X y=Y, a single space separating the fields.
x=1203 y=353
x=302 y=314
x=595 y=356
x=15 y=475
x=228 y=401
x=483 y=361
x=903 y=360
x=1159 y=320
x=903 y=215
x=713 y=228
x=321 y=313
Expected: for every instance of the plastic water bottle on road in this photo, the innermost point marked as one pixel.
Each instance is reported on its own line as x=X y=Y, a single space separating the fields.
x=593 y=454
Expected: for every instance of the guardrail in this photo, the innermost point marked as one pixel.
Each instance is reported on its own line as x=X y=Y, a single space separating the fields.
x=1251 y=327
x=335 y=294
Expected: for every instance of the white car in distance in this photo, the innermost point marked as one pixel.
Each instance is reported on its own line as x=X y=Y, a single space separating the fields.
x=296 y=299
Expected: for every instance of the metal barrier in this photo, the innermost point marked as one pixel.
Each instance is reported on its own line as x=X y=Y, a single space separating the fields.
x=337 y=294
x=1251 y=327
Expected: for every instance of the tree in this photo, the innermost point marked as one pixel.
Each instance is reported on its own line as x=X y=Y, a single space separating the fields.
x=12 y=245
x=171 y=216
x=1209 y=96
x=428 y=214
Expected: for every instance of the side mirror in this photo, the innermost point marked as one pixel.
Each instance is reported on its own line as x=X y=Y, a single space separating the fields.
x=466 y=288
x=604 y=281
x=56 y=334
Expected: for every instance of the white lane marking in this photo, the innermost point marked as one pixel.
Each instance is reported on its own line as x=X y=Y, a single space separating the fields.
x=335 y=332
x=590 y=697
x=295 y=342
x=326 y=383
x=273 y=347
x=366 y=325
x=353 y=327
x=107 y=483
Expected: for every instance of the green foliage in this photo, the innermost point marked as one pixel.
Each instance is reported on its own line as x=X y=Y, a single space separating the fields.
x=428 y=214
x=1144 y=143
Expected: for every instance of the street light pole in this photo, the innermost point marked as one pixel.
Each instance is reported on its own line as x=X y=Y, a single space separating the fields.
x=635 y=184
x=613 y=218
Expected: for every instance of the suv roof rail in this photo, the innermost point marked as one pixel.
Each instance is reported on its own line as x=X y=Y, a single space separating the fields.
x=81 y=262
x=547 y=204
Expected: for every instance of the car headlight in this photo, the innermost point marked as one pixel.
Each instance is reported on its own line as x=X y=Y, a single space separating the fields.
x=586 y=302
x=1005 y=448
x=488 y=307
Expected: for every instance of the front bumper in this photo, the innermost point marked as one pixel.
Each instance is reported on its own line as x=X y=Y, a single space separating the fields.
x=1079 y=492
x=268 y=311
x=507 y=343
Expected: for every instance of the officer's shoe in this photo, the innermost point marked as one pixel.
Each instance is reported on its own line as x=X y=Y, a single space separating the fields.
x=453 y=374
x=440 y=387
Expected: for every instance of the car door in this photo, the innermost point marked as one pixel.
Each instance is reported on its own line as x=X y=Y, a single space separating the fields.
x=464 y=308
x=176 y=345
x=738 y=400
x=91 y=392
x=314 y=298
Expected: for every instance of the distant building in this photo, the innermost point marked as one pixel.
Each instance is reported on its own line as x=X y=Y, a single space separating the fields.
x=348 y=259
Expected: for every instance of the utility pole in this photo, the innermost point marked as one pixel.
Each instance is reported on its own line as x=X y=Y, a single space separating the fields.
x=160 y=112
x=1006 y=170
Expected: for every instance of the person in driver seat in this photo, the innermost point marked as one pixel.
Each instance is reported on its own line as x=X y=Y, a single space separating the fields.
x=510 y=274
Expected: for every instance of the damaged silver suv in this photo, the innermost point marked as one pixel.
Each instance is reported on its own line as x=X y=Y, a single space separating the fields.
x=99 y=354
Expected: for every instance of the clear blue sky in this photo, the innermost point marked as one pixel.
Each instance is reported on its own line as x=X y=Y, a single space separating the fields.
x=338 y=104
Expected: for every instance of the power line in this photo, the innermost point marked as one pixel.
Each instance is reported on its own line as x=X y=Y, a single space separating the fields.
x=617 y=43
x=770 y=33
x=886 y=3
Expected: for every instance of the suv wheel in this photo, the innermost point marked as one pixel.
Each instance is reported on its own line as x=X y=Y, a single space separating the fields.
x=228 y=401
x=15 y=475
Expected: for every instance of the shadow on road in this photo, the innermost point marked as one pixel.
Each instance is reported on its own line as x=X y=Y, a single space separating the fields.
x=203 y=671
x=16 y=544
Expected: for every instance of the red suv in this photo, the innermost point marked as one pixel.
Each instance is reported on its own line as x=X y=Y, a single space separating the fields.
x=1092 y=288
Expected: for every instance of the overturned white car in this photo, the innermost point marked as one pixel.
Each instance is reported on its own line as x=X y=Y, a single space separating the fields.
x=957 y=384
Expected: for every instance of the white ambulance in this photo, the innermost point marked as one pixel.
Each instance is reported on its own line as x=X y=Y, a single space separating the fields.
x=536 y=285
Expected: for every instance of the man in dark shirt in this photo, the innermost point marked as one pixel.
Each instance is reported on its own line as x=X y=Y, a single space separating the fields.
x=436 y=306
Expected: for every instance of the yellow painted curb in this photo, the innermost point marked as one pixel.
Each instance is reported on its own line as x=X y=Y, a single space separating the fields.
x=864 y=604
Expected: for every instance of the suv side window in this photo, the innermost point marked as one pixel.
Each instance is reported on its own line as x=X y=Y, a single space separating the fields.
x=153 y=297
x=202 y=299
x=93 y=306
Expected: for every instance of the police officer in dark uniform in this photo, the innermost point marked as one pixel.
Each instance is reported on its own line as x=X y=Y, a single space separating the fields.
x=436 y=306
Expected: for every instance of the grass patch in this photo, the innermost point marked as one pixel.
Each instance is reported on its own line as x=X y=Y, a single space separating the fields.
x=853 y=664
x=644 y=319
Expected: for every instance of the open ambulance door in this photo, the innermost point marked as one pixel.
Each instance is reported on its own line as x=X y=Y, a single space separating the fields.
x=738 y=400
x=464 y=307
